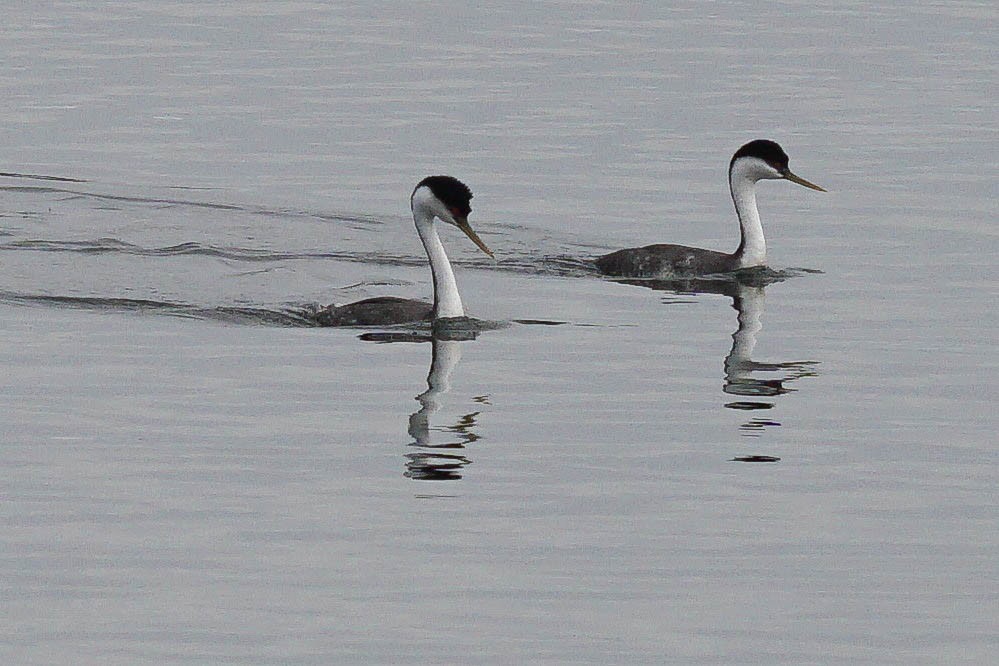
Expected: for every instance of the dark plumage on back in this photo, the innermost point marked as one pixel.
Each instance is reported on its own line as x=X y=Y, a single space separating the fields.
x=454 y=193
x=377 y=311
x=665 y=260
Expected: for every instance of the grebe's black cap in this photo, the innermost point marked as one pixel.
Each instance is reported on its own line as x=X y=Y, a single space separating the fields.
x=451 y=191
x=766 y=150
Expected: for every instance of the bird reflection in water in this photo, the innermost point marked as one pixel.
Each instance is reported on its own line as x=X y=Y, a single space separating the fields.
x=437 y=460
x=441 y=461
x=760 y=381
x=743 y=374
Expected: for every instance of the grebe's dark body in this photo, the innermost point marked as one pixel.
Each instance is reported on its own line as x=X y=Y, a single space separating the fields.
x=377 y=311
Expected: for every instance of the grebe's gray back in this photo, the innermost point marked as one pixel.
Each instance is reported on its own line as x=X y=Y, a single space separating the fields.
x=435 y=197
x=757 y=160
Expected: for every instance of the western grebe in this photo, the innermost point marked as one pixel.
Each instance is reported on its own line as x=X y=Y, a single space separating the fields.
x=757 y=160
x=446 y=199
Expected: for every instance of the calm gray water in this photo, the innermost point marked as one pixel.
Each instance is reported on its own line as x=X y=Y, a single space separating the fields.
x=192 y=474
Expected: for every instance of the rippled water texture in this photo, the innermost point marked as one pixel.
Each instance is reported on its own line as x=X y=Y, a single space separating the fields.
x=794 y=467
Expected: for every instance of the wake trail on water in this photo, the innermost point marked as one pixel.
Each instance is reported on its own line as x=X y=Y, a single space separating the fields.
x=300 y=316
x=551 y=265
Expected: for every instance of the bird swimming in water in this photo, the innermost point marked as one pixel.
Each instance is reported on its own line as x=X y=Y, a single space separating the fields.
x=757 y=160
x=435 y=197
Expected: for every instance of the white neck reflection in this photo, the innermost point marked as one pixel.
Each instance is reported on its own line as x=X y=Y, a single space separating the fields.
x=433 y=463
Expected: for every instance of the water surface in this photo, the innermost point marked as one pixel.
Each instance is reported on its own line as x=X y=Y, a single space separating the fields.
x=796 y=472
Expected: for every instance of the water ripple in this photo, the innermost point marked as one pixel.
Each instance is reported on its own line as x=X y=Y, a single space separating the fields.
x=556 y=265
x=291 y=316
x=35 y=176
x=115 y=246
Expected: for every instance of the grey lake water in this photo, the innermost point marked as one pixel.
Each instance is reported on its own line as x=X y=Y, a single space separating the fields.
x=792 y=473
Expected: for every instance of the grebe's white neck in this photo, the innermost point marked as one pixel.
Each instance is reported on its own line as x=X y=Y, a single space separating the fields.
x=742 y=178
x=447 y=301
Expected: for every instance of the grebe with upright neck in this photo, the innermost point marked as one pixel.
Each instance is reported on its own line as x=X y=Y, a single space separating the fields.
x=435 y=197
x=757 y=160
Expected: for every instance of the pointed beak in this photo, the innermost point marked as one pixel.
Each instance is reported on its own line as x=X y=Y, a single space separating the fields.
x=801 y=181
x=462 y=223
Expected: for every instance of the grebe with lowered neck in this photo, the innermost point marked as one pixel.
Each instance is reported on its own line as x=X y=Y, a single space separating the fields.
x=757 y=160
x=435 y=197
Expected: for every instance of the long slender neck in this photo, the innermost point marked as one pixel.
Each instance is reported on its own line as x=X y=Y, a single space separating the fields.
x=753 y=247
x=447 y=302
